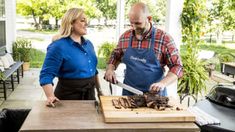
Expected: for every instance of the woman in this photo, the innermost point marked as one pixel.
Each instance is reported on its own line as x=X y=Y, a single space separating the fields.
x=72 y=59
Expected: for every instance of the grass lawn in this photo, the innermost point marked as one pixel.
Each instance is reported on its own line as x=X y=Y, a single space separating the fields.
x=32 y=38
x=41 y=31
x=37 y=58
x=218 y=49
x=222 y=53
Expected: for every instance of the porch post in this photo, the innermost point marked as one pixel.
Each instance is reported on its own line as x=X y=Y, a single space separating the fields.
x=120 y=18
x=173 y=27
x=10 y=10
x=116 y=90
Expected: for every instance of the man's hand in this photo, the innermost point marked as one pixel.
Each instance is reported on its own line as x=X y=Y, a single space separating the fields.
x=51 y=101
x=110 y=74
x=156 y=87
x=168 y=79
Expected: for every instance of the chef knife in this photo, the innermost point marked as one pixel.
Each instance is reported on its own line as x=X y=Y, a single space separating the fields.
x=129 y=88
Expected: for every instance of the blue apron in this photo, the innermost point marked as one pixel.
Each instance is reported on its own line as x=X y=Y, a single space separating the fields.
x=142 y=67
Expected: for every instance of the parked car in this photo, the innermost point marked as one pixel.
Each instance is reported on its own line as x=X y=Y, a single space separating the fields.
x=220 y=103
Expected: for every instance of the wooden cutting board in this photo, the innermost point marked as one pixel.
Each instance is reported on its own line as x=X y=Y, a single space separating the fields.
x=111 y=114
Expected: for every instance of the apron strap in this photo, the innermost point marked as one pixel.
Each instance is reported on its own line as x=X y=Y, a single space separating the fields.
x=153 y=38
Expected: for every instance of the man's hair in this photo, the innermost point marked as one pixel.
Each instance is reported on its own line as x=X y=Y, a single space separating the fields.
x=143 y=7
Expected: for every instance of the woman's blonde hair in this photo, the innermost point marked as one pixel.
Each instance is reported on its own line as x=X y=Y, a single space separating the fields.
x=66 y=23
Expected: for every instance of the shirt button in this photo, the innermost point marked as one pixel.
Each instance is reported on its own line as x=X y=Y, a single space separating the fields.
x=85 y=53
x=89 y=61
x=91 y=70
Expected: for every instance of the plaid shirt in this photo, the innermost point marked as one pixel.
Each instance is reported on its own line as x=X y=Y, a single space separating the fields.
x=165 y=49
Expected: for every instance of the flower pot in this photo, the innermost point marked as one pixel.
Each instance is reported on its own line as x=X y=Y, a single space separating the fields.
x=26 y=66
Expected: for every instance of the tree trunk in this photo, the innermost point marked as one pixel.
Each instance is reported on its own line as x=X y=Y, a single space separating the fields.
x=105 y=21
x=56 y=23
x=35 y=21
x=40 y=22
x=219 y=37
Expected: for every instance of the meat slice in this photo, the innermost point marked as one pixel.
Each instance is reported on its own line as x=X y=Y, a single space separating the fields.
x=122 y=102
x=116 y=104
x=150 y=100
x=139 y=100
x=126 y=102
x=156 y=101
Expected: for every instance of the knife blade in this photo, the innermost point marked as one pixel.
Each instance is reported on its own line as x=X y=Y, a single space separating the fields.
x=129 y=88
x=97 y=106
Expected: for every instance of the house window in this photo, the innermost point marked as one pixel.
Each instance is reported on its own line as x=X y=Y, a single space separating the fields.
x=2 y=34
x=2 y=9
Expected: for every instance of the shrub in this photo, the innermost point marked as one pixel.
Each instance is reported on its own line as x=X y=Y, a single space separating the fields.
x=106 y=49
x=21 y=50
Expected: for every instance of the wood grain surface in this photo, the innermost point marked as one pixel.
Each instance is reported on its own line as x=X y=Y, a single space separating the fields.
x=111 y=114
x=81 y=116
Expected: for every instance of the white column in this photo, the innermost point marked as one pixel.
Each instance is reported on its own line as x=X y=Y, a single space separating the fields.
x=173 y=27
x=10 y=9
x=117 y=91
x=120 y=18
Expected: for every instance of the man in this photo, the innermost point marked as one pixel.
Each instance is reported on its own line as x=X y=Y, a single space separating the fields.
x=145 y=50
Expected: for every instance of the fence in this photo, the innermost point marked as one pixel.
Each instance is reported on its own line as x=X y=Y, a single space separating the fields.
x=225 y=38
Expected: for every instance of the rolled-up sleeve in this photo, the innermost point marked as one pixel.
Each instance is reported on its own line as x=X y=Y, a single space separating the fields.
x=51 y=65
x=173 y=59
x=117 y=53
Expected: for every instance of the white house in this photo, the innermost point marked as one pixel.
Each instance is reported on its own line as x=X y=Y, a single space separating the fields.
x=7 y=23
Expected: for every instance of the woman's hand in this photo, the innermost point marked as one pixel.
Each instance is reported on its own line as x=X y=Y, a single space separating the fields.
x=51 y=98
x=51 y=101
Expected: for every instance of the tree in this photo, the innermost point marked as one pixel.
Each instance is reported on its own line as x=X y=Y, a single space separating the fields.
x=157 y=8
x=59 y=7
x=108 y=9
x=35 y=8
x=44 y=9
x=221 y=17
x=88 y=6
x=57 y=10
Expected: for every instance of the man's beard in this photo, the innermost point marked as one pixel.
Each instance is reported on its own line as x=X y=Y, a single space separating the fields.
x=140 y=31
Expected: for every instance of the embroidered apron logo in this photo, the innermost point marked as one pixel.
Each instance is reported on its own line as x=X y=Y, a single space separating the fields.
x=138 y=59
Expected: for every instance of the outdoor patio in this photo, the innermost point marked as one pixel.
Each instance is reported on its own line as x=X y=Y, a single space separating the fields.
x=29 y=90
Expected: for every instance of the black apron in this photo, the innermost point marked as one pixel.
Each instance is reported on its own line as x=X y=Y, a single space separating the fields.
x=75 y=89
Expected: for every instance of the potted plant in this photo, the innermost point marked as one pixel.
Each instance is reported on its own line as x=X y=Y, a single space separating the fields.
x=21 y=52
x=195 y=75
x=193 y=81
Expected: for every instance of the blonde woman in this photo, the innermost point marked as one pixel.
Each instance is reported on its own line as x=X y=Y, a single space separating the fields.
x=72 y=59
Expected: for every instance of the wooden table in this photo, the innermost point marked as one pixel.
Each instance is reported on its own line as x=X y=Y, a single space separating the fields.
x=73 y=116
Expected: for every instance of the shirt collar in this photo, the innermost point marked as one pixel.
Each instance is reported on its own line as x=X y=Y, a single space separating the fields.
x=73 y=42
